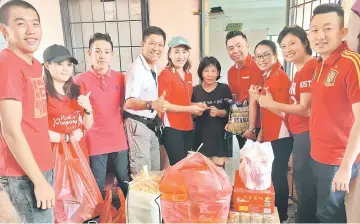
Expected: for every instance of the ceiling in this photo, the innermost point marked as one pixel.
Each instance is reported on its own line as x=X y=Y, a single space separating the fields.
x=254 y=14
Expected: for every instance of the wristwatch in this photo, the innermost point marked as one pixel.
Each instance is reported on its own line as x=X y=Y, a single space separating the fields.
x=252 y=130
x=148 y=105
x=88 y=112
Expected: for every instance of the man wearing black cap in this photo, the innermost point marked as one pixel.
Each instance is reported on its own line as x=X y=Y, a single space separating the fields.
x=26 y=170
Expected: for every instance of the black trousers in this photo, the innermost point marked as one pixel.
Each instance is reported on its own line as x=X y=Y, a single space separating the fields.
x=177 y=143
x=282 y=149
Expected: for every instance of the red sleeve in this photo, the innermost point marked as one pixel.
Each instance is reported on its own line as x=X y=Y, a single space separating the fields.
x=352 y=81
x=282 y=95
x=356 y=7
x=306 y=77
x=12 y=84
x=256 y=77
x=78 y=80
x=164 y=84
x=231 y=84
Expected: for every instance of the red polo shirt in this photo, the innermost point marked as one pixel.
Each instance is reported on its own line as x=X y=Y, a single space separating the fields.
x=23 y=82
x=178 y=92
x=240 y=80
x=107 y=94
x=274 y=126
x=335 y=88
x=301 y=84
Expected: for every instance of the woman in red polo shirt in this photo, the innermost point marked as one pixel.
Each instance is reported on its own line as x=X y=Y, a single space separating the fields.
x=176 y=81
x=274 y=127
x=296 y=49
x=69 y=112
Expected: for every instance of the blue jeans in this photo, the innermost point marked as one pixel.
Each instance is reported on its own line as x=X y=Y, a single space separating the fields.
x=120 y=164
x=21 y=194
x=330 y=205
x=304 y=179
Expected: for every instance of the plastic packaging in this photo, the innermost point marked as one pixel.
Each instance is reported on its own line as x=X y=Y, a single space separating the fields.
x=195 y=190
x=238 y=118
x=143 y=199
x=256 y=165
x=78 y=197
x=109 y=214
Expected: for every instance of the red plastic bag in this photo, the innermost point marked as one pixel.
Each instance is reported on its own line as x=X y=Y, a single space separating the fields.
x=78 y=197
x=109 y=213
x=195 y=190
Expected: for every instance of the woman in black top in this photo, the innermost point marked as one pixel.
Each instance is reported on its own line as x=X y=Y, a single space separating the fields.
x=210 y=125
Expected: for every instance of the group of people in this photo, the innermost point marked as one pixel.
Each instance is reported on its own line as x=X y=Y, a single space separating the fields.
x=121 y=120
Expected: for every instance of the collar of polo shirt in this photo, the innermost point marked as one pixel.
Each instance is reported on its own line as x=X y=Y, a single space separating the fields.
x=92 y=70
x=335 y=54
x=247 y=63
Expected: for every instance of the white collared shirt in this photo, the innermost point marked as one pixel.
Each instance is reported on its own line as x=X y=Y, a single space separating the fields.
x=140 y=84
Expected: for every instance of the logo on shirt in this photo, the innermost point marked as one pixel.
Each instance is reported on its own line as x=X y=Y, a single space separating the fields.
x=305 y=84
x=40 y=107
x=70 y=121
x=331 y=77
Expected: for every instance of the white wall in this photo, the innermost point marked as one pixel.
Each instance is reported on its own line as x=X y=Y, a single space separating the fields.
x=50 y=17
x=176 y=18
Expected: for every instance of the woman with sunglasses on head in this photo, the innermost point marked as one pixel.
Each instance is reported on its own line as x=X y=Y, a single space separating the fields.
x=274 y=127
x=69 y=112
x=296 y=49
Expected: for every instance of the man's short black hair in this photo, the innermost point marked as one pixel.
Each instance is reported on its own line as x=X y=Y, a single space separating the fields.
x=233 y=34
x=4 y=9
x=206 y=62
x=330 y=7
x=101 y=36
x=153 y=30
x=299 y=33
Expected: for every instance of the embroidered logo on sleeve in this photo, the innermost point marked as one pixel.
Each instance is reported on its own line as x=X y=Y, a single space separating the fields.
x=40 y=107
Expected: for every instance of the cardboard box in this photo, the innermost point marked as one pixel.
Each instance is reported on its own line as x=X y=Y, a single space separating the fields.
x=244 y=217
x=252 y=201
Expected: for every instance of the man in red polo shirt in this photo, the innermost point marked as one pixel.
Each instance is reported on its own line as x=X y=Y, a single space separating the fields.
x=241 y=76
x=105 y=139
x=26 y=159
x=335 y=113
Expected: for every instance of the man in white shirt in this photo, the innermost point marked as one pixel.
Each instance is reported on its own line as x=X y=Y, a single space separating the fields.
x=142 y=103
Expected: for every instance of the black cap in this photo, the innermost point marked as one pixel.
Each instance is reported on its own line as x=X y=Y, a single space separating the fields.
x=58 y=53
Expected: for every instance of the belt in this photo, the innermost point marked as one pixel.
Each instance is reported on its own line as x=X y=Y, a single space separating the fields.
x=144 y=120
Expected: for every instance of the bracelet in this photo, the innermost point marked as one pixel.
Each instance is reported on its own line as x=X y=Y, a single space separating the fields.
x=67 y=138
x=88 y=112
x=149 y=105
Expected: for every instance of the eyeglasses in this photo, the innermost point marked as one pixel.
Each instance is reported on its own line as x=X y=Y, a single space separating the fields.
x=263 y=56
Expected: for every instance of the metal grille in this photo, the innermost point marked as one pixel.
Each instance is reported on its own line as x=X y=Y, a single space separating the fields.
x=123 y=20
x=300 y=13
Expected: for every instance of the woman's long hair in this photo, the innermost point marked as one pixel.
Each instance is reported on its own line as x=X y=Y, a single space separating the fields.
x=71 y=89
x=170 y=64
